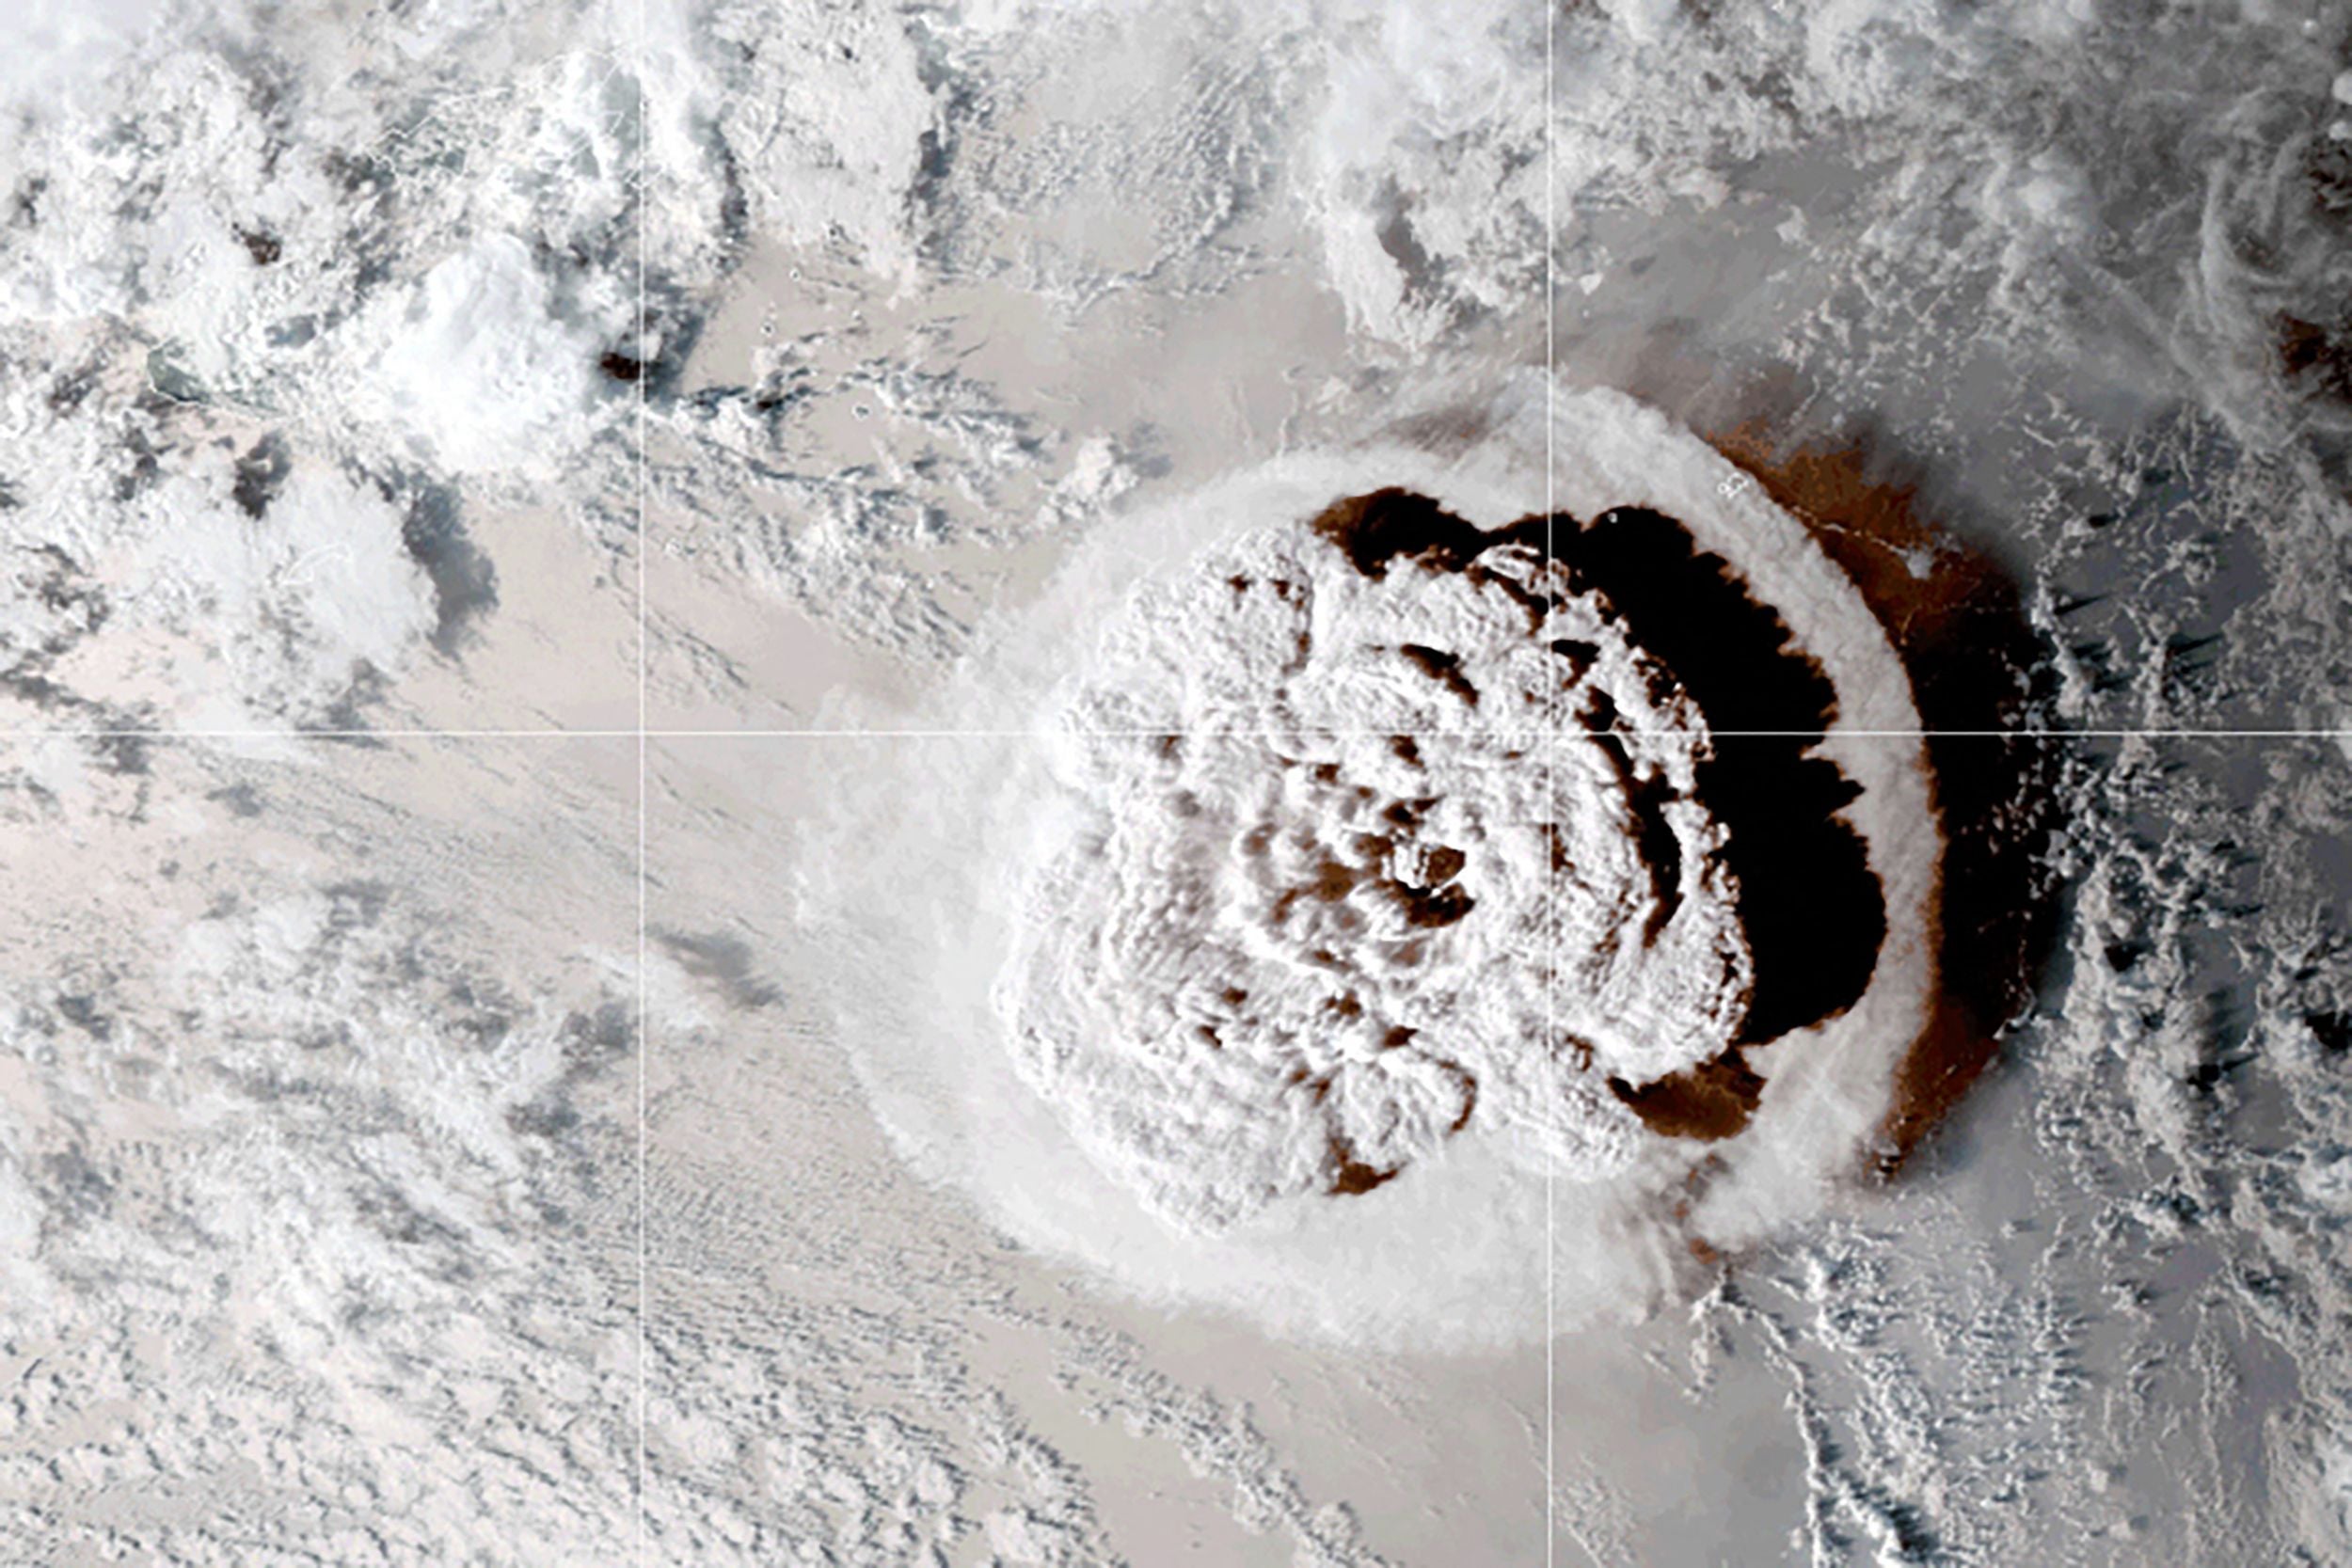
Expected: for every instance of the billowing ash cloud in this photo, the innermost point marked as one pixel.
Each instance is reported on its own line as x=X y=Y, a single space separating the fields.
x=1367 y=900
x=1401 y=830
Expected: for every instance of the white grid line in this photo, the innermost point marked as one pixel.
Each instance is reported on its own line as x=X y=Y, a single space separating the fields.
x=1552 y=755
x=644 y=1011
x=1830 y=732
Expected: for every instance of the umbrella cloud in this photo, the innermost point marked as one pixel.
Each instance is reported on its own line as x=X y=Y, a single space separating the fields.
x=1391 y=854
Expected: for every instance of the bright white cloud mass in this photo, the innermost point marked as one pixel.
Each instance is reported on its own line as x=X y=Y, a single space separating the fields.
x=1378 y=868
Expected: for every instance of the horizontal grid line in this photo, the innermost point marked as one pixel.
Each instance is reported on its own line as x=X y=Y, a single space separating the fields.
x=1309 y=730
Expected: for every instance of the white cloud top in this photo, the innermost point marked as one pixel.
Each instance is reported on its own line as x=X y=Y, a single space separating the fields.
x=1197 y=1038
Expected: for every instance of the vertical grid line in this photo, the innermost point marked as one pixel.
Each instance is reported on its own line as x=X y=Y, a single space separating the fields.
x=644 y=1021
x=1552 y=750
